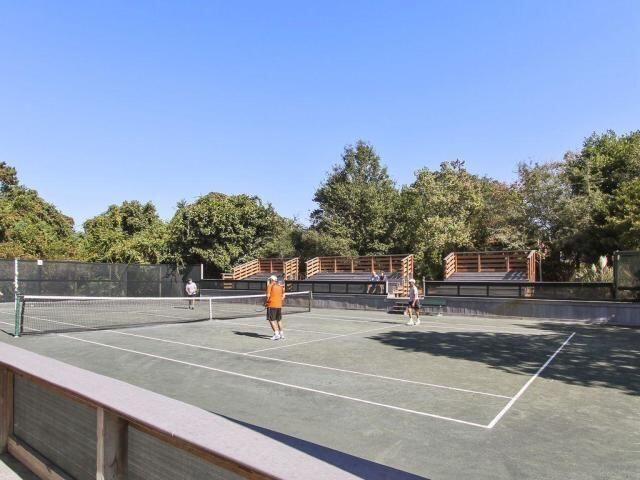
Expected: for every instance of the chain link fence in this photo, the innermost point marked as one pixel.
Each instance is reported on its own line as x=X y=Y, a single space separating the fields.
x=55 y=277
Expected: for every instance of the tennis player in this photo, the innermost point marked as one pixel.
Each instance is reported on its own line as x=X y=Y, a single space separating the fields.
x=275 y=298
x=414 y=303
x=192 y=290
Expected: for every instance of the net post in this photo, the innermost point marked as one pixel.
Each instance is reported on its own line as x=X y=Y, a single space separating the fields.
x=16 y=284
x=310 y=299
x=210 y=309
x=19 y=316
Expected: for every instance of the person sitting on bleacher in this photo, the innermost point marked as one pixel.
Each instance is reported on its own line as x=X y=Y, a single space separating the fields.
x=374 y=278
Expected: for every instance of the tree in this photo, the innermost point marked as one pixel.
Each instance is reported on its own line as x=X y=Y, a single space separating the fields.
x=601 y=175
x=8 y=177
x=29 y=226
x=625 y=215
x=437 y=215
x=356 y=204
x=497 y=226
x=130 y=233
x=223 y=230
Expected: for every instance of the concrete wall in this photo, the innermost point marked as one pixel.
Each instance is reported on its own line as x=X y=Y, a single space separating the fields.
x=612 y=313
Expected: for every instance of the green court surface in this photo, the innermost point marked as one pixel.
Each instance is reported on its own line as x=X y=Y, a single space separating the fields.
x=456 y=397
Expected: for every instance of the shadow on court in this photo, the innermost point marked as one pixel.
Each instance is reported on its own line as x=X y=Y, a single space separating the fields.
x=349 y=463
x=251 y=334
x=597 y=356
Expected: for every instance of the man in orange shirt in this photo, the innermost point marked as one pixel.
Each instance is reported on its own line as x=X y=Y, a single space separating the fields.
x=275 y=298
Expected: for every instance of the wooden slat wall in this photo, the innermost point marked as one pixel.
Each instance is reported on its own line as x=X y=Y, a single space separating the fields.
x=313 y=266
x=287 y=266
x=246 y=269
x=291 y=268
x=502 y=261
x=364 y=264
x=449 y=265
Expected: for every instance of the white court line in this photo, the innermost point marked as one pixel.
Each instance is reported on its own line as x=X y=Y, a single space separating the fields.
x=175 y=342
x=289 y=385
x=526 y=385
x=322 y=339
x=257 y=325
x=354 y=372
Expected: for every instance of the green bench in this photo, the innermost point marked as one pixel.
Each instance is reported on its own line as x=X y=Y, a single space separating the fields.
x=434 y=302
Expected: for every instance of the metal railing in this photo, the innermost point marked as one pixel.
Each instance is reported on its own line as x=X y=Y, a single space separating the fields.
x=317 y=286
x=543 y=290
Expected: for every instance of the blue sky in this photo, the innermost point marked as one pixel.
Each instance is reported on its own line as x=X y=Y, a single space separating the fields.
x=102 y=102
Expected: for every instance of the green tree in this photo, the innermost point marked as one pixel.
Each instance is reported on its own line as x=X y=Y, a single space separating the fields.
x=497 y=226
x=131 y=233
x=30 y=227
x=601 y=175
x=8 y=177
x=223 y=230
x=625 y=215
x=357 y=204
x=438 y=212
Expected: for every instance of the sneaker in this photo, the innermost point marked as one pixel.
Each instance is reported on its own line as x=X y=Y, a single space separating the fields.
x=418 y=322
x=281 y=335
x=410 y=322
x=276 y=336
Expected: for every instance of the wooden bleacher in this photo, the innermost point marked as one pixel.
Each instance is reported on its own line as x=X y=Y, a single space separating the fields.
x=492 y=266
x=263 y=268
x=398 y=269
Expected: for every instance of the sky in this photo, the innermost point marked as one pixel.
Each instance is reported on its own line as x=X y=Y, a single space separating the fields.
x=160 y=101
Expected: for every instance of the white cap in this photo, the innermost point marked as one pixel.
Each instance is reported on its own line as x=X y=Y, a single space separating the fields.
x=273 y=278
x=411 y=280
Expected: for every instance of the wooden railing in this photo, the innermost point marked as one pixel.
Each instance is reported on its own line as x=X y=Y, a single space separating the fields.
x=492 y=261
x=193 y=441
x=365 y=264
x=449 y=265
x=291 y=269
x=287 y=266
x=246 y=269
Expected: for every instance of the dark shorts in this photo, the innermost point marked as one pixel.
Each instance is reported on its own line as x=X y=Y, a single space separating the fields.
x=274 y=314
x=410 y=305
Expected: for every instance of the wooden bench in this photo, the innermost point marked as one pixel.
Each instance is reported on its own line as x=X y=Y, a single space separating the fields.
x=434 y=302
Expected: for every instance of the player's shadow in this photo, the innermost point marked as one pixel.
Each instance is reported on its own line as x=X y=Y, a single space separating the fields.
x=251 y=334
x=598 y=356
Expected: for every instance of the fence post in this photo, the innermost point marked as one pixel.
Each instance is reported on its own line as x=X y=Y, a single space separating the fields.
x=6 y=408
x=111 y=446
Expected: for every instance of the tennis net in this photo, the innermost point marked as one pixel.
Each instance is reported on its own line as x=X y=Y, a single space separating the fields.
x=45 y=314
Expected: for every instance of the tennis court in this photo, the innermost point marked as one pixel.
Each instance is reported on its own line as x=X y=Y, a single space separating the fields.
x=456 y=397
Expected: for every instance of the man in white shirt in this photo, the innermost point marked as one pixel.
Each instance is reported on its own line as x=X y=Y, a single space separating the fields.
x=414 y=303
x=192 y=291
